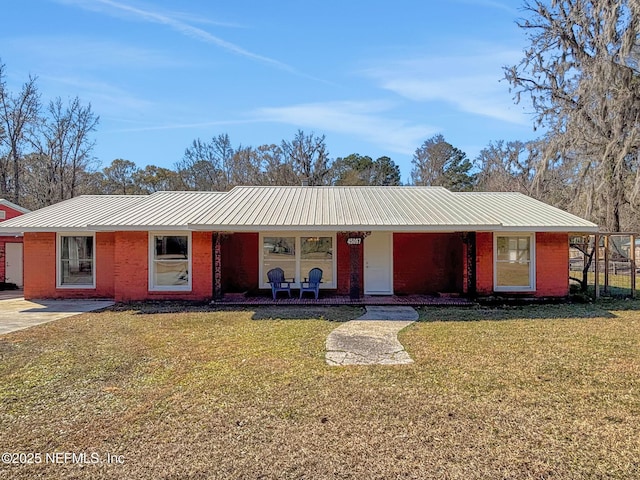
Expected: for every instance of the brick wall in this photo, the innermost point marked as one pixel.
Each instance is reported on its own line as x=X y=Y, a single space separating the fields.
x=131 y=268
x=427 y=263
x=552 y=264
x=240 y=257
x=104 y=261
x=423 y=263
x=130 y=271
x=40 y=268
x=202 y=265
x=484 y=263
x=39 y=265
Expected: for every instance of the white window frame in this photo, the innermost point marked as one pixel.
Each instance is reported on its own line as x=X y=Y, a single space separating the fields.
x=59 y=283
x=532 y=263
x=3 y=215
x=299 y=275
x=169 y=288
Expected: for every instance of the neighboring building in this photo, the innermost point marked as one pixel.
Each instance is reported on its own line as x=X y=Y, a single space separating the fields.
x=367 y=240
x=10 y=245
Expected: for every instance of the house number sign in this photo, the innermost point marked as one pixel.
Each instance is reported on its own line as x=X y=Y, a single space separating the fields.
x=354 y=241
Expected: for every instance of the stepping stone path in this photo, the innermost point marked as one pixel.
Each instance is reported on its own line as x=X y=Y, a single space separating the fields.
x=371 y=339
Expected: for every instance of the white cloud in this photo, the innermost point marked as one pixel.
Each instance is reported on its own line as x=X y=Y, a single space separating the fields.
x=181 y=126
x=489 y=4
x=82 y=53
x=367 y=121
x=177 y=22
x=471 y=82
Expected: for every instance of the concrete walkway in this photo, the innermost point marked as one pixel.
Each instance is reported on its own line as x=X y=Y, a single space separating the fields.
x=371 y=339
x=18 y=313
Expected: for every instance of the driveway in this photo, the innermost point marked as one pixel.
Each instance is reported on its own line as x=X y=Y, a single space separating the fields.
x=10 y=294
x=18 y=313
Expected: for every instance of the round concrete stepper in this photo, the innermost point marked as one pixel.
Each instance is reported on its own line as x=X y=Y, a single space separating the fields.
x=371 y=339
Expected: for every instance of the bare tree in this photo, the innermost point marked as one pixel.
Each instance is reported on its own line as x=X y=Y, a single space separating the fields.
x=18 y=114
x=276 y=169
x=62 y=146
x=309 y=158
x=36 y=183
x=207 y=165
x=581 y=73
x=246 y=167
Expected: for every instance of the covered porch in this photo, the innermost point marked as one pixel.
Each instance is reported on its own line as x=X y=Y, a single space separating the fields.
x=360 y=267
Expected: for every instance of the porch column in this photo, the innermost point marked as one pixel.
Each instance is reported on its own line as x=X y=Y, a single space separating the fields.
x=632 y=261
x=356 y=253
x=596 y=268
x=470 y=242
x=217 y=266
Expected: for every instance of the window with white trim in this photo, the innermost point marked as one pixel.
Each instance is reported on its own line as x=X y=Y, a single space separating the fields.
x=76 y=261
x=297 y=254
x=169 y=261
x=514 y=262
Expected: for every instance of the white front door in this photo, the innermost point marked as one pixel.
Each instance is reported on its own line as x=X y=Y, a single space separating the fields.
x=13 y=263
x=378 y=264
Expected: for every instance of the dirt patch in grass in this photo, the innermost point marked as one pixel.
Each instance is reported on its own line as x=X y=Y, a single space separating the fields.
x=204 y=394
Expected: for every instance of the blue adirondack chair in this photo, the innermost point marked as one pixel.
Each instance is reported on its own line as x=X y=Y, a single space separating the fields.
x=278 y=282
x=312 y=284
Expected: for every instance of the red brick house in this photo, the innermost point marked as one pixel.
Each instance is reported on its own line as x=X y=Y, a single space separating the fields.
x=10 y=245
x=367 y=240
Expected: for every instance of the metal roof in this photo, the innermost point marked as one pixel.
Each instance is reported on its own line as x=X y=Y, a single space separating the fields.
x=380 y=208
x=69 y=215
x=417 y=209
x=516 y=211
x=161 y=210
x=384 y=208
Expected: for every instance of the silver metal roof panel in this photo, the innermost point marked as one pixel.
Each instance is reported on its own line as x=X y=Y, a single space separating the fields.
x=69 y=215
x=170 y=210
x=297 y=208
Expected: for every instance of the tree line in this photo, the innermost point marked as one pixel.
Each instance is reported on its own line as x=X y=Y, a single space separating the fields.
x=217 y=165
x=581 y=72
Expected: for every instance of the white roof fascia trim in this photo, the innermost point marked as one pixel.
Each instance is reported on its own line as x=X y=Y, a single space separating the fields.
x=343 y=228
x=324 y=228
x=45 y=229
x=138 y=228
x=394 y=228
x=549 y=229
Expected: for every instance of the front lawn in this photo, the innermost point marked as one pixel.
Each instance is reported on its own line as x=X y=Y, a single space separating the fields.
x=533 y=392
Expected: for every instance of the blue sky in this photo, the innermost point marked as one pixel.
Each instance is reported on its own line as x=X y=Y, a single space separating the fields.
x=376 y=77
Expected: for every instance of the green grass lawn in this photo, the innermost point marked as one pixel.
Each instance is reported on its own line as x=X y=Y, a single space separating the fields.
x=534 y=392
